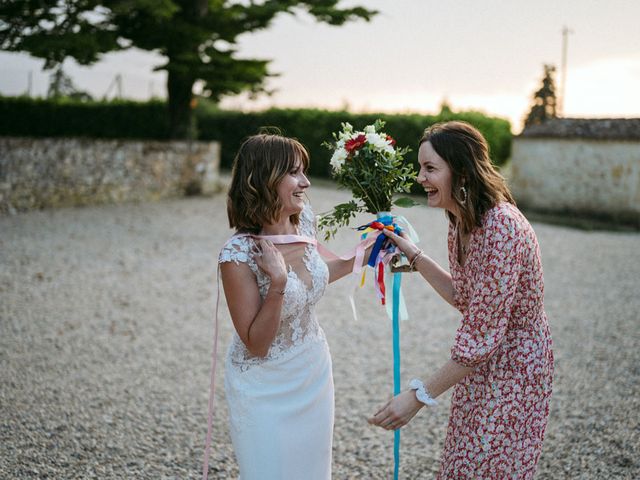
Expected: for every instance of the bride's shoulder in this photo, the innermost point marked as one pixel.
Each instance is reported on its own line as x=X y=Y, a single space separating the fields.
x=237 y=249
x=307 y=221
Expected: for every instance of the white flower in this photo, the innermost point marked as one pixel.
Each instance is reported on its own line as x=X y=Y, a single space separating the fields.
x=374 y=139
x=338 y=158
x=379 y=143
x=347 y=134
x=347 y=130
x=369 y=129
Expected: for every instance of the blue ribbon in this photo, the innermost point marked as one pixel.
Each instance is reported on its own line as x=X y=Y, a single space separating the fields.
x=375 y=251
x=379 y=244
x=397 y=277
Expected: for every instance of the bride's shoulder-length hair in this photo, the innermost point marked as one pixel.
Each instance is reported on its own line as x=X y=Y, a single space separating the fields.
x=258 y=168
x=466 y=152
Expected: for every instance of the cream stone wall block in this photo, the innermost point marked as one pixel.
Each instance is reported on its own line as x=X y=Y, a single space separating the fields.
x=577 y=174
x=55 y=172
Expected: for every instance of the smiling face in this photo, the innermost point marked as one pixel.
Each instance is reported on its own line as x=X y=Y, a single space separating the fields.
x=291 y=190
x=435 y=177
x=267 y=182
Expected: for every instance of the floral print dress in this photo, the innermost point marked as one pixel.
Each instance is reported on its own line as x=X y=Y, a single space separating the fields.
x=499 y=412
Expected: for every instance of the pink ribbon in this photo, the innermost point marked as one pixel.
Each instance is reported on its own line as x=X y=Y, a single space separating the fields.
x=212 y=387
x=357 y=254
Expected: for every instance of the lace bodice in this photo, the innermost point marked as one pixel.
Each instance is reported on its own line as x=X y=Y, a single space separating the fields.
x=306 y=282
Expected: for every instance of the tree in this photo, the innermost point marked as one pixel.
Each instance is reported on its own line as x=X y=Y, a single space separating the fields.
x=197 y=37
x=544 y=100
x=445 y=108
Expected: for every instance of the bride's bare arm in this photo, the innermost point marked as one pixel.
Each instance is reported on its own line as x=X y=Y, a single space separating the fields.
x=255 y=320
x=338 y=268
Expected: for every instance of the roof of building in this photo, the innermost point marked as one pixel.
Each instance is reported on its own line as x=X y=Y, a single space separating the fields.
x=591 y=128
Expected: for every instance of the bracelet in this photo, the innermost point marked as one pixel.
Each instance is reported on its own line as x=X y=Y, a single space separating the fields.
x=279 y=292
x=421 y=392
x=413 y=260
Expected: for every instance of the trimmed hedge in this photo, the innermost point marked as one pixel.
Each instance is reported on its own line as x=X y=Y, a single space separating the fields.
x=312 y=127
x=37 y=117
x=23 y=116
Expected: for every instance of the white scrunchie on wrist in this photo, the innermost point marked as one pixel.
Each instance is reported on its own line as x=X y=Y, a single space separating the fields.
x=421 y=392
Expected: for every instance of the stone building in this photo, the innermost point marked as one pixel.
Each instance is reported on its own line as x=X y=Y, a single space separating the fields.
x=588 y=167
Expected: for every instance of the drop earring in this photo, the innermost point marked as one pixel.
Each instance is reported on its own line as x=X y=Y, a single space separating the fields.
x=463 y=191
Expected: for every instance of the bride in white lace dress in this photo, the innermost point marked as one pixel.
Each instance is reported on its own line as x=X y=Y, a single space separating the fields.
x=278 y=376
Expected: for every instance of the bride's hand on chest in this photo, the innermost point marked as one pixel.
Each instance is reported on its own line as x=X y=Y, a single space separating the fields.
x=271 y=261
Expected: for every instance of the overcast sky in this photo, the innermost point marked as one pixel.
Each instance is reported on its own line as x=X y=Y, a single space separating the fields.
x=484 y=55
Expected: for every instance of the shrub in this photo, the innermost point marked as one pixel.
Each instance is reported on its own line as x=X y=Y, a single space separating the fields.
x=35 y=117
x=312 y=127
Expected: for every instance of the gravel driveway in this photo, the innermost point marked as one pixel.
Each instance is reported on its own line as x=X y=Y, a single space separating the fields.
x=106 y=319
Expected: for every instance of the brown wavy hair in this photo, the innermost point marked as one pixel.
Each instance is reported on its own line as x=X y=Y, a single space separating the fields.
x=466 y=152
x=260 y=164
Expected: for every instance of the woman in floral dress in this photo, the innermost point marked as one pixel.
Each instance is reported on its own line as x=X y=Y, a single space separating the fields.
x=501 y=364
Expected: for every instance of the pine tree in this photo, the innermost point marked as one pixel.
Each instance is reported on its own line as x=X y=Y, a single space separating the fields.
x=544 y=100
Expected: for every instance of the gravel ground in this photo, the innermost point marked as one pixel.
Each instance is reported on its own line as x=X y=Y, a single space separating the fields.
x=105 y=339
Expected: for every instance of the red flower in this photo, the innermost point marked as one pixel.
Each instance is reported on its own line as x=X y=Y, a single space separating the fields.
x=355 y=143
x=392 y=140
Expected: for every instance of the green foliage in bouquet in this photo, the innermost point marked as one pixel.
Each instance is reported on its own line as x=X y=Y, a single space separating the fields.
x=369 y=164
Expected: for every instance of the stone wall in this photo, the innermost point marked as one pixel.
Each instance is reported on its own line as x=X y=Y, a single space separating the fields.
x=55 y=172
x=595 y=177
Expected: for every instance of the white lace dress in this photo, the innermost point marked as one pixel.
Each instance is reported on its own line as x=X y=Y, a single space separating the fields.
x=281 y=406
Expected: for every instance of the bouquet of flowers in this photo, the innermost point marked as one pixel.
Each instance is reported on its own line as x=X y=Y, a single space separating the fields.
x=370 y=165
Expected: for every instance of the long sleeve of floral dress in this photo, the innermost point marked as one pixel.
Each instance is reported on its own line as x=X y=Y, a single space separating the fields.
x=499 y=412
x=494 y=281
